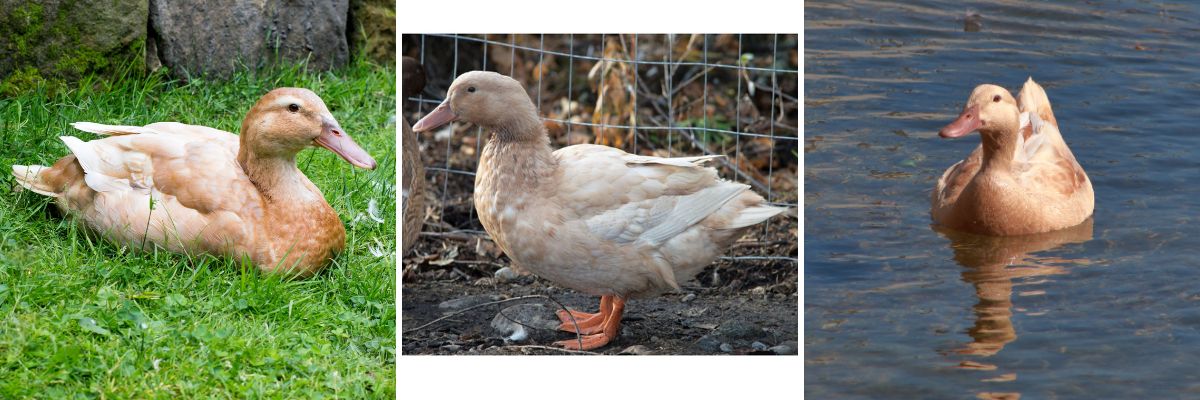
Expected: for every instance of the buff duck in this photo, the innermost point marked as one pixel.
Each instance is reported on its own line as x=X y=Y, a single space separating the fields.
x=194 y=189
x=592 y=218
x=1022 y=179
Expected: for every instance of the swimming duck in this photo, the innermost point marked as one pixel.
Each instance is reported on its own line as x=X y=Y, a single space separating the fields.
x=194 y=189
x=1022 y=179
x=592 y=218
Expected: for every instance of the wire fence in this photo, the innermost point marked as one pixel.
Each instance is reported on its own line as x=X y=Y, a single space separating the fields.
x=661 y=95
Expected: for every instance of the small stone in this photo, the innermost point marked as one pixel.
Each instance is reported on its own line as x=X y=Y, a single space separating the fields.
x=689 y=298
x=758 y=346
x=520 y=322
x=636 y=350
x=506 y=274
x=787 y=348
x=758 y=291
x=708 y=344
x=726 y=347
x=451 y=348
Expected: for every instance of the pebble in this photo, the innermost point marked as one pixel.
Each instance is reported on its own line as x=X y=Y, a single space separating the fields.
x=506 y=274
x=523 y=321
x=788 y=348
x=636 y=350
x=758 y=346
x=758 y=291
x=451 y=348
x=726 y=347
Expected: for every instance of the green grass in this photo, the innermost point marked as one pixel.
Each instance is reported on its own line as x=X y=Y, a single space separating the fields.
x=83 y=318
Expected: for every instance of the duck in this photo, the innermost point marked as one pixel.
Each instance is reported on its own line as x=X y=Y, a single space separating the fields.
x=412 y=171
x=592 y=218
x=1022 y=179
x=193 y=189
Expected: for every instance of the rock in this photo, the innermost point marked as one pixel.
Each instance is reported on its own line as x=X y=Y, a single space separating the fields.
x=56 y=41
x=527 y=321
x=758 y=346
x=373 y=29
x=451 y=348
x=636 y=350
x=689 y=298
x=468 y=301
x=788 y=348
x=506 y=274
x=726 y=348
x=218 y=37
x=708 y=344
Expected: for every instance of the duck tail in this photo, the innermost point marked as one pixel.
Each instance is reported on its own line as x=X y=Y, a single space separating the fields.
x=1032 y=99
x=753 y=215
x=30 y=177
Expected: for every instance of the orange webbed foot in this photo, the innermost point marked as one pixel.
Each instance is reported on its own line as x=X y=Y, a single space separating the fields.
x=600 y=334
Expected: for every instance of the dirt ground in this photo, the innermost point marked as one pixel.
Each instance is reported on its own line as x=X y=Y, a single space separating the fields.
x=734 y=307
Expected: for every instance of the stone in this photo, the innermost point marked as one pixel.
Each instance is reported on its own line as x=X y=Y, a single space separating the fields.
x=726 y=348
x=506 y=274
x=758 y=346
x=221 y=36
x=636 y=350
x=788 y=348
x=524 y=322
x=56 y=41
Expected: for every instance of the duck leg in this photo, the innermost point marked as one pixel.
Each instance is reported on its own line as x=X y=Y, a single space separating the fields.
x=588 y=323
x=607 y=332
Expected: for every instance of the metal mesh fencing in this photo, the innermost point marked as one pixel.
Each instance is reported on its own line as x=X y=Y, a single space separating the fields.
x=661 y=95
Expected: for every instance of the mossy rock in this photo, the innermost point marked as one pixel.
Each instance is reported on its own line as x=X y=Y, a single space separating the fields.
x=55 y=42
x=373 y=29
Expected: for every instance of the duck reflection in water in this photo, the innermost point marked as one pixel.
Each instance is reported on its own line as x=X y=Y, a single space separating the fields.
x=992 y=262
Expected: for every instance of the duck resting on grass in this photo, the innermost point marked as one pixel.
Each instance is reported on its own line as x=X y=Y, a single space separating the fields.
x=1022 y=179
x=592 y=218
x=194 y=189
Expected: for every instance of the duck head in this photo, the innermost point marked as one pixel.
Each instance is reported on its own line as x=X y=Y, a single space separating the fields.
x=488 y=99
x=991 y=110
x=286 y=120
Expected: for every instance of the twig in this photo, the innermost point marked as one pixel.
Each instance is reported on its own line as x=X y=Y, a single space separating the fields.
x=534 y=346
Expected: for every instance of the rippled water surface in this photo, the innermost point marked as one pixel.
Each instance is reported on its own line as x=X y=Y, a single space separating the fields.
x=895 y=308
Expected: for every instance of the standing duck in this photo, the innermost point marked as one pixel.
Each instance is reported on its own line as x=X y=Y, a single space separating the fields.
x=194 y=189
x=1022 y=179
x=592 y=218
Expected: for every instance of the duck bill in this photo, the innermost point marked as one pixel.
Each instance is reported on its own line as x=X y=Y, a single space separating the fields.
x=337 y=141
x=441 y=115
x=967 y=122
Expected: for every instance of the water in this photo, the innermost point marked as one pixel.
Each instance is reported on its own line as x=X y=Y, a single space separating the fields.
x=895 y=309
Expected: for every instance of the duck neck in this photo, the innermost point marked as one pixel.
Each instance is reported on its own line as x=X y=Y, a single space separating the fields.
x=520 y=149
x=277 y=178
x=999 y=145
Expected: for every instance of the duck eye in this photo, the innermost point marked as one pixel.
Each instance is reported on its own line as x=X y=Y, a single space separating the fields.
x=471 y=89
x=294 y=107
x=996 y=99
